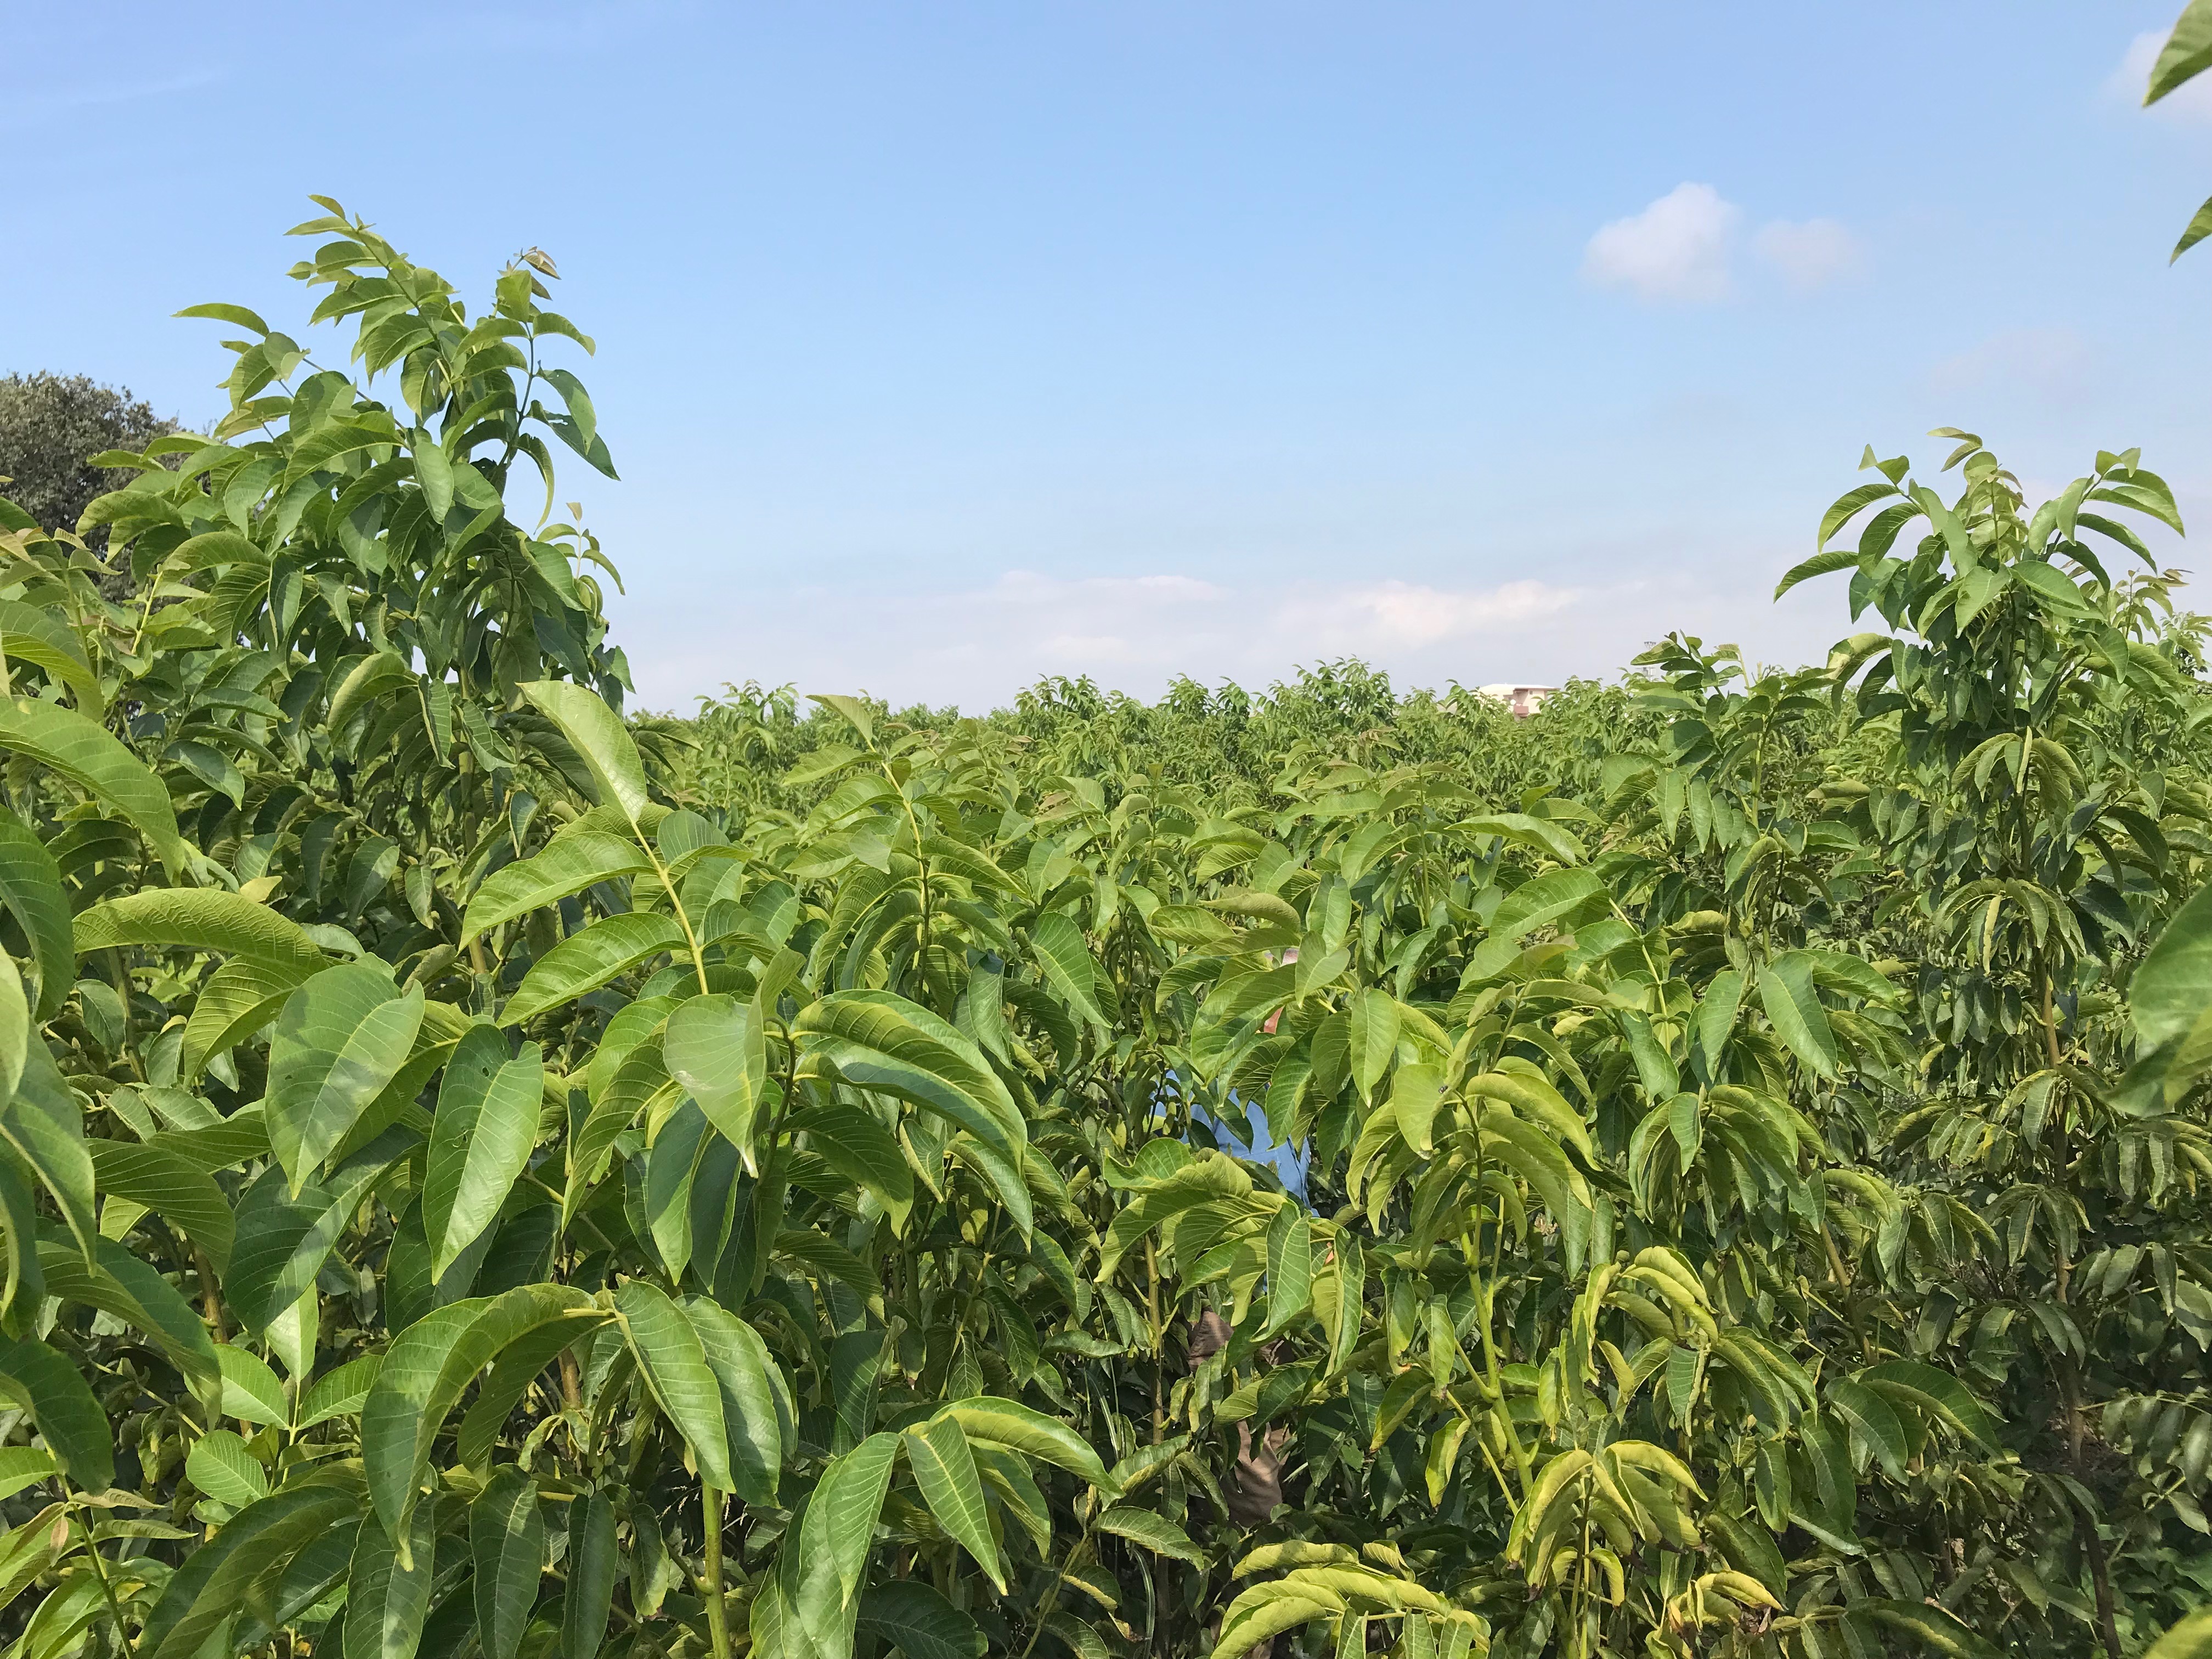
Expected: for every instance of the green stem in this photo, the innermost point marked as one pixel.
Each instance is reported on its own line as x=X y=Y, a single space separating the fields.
x=718 y=1611
x=100 y=1571
x=1052 y=1590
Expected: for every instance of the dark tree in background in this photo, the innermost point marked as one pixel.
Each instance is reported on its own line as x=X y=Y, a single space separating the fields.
x=51 y=427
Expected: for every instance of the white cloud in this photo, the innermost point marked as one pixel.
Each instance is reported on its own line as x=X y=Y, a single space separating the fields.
x=1809 y=253
x=1677 y=249
x=1382 y=618
x=2191 y=103
x=1136 y=633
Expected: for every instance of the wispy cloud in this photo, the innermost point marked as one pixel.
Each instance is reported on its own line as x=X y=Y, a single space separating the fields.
x=1810 y=253
x=1677 y=249
x=980 y=645
x=2038 y=364
x=29 y=108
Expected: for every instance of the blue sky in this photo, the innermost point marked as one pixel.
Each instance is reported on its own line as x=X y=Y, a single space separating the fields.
x=942 y=346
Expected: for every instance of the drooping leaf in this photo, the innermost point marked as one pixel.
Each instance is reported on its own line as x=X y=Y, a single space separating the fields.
x=388 y=1589
x=82 y=750
x=674 y=1362
x=569 y=864
x=584 y=961
x=480 y=1139
x=507 y=1545
x=1786 y=993
x=717 y=1048
x=880 y=1041
x=592 y=1567
x=30 y=888
x=342 y=1037
x=1153 y=1532
x=70 y=1419
x=945 y=1468
x=599 y=737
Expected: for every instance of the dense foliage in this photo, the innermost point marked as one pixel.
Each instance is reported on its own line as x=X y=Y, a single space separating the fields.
x=1716 y=1168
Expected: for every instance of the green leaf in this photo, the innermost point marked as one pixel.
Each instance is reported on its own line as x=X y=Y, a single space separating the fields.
x=879 y=1041
x=2052 y=584
x=480 y=1139
x=374 y=676
x=945 y=1468
x=1928 y=1626
x=342 y=1037
x=198 y=919
x=1820 y=564
x=22 y=1466
x=674 y=1360
x=569 y=863
x=15 y=1034
x=2199 y=227
x=35 y=636
x=30 y=888
x=1374 y=1033
x=1289 y=1267
x=584 y=961
x=1548 y=899
x=2191 y=1639
x=841 y=1518
x=1716 y=1017
x=857 y=713
x=717 y=1049
x=592 y=1567
x=1936 y=1394
x=213 y=549
x=340 y=1393
x=208 y=1589
x=82 y=750
x=507 y=1544
x=1871 y=1417
x=428 y=1366
x=250 y=1389
x=388 y=1589
x=237 y=1000
x=858 y=1147
x=284 y=1238
x=121 y=1285
x=43 y=1126
x=2170 y=996
x=2187 y=52
x=238 y=316
x=1786 y=992
x=1153 y=1532
x=70 y=1419
x=989 y=1420
x=220 y=1466
x=596 y=732
x=918 y=1622
x=1554 y=840
x=753 y=1408
x=1065 y=960
x=169 y=1184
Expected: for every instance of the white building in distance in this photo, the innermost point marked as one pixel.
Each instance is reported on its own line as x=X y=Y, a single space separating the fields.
x=1520 y=701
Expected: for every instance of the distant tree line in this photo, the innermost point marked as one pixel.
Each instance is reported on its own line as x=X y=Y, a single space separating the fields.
x=53 y=426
